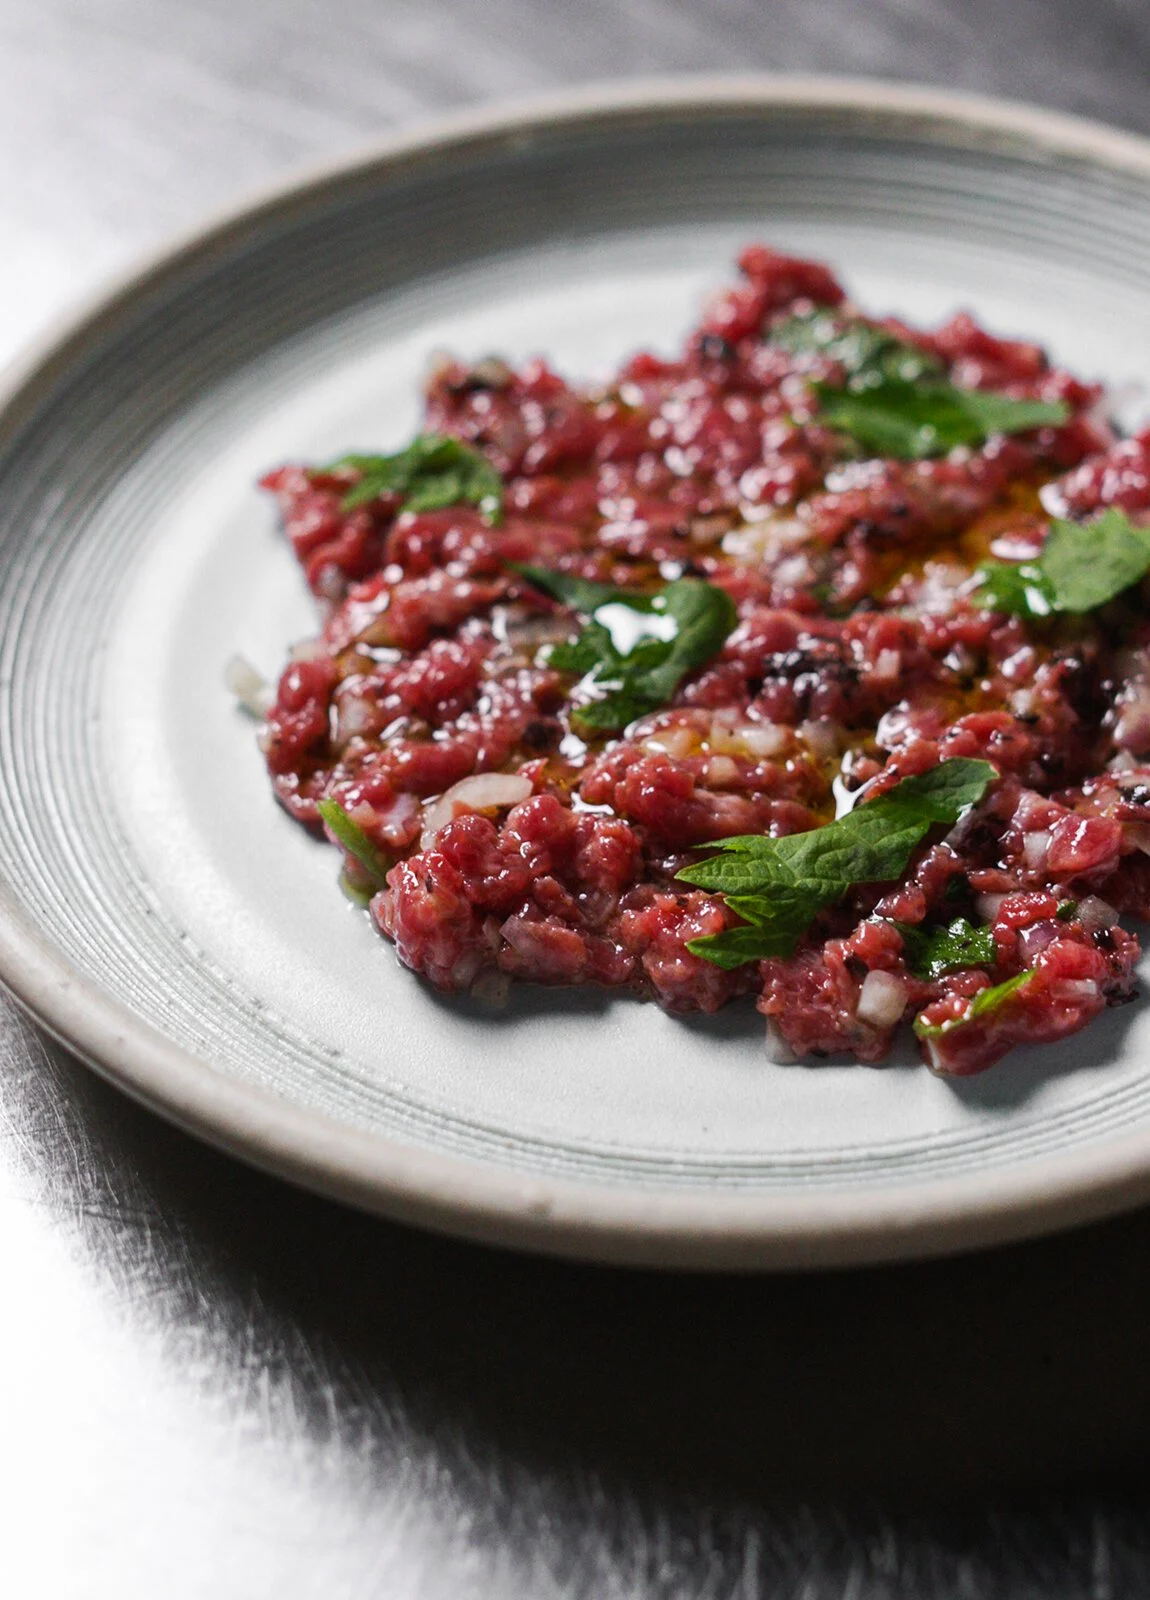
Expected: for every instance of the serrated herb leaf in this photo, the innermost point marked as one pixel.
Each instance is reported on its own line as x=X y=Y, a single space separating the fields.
x=433 y=472
x=909 y=420
x=932 y=952
x=778 y=886
x=351 y=836
x=1082 y=565
x=865 y=351
x=943 y=793
x=734 y=947
x=985 y=1003
x=637 y=647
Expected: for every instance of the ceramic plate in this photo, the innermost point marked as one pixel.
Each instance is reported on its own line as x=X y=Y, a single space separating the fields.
x=165 y=919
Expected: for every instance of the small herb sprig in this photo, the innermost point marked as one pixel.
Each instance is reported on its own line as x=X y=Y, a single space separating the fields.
x=778 y=886
x=375 y=862
x=430 y=474
x=895 y=399
x=933 y=952
x=635 y=648
x=985 y=1003
x=867 y=353
x=912 y=420
x=1082 y=565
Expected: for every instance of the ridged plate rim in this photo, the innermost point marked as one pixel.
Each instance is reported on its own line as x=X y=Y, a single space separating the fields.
x=481 y=1200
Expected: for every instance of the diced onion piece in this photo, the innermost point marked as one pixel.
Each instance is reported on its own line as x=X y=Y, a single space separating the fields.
x=821 y=737
x=485 y=791
x=777 y=1048
x=763 y=739
x=1075 y=989
x=888 y=665
x=491 y=989
x=882 y=999
x=677 y=740
x=1034 y=940
x=1034 y=848
x=756 y=543
x=1094 y=912
x=355 y=716
x=1132 y=730
x=721 y=770
x=251 y=688
x=308 y=650
x=988 y=905
x=934 y=1057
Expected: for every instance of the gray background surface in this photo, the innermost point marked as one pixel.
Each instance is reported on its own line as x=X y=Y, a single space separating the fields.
x=213 y=1385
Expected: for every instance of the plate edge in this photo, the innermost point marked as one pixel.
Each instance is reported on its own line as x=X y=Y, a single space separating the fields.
x=453 y=1194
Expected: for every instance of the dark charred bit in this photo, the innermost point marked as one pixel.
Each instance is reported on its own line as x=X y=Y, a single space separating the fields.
x=1054 y=765
x=490 y=373
x=799 y=663
x=713 y=347
x=1082 y=689
x=977 y=837
x=541 y=736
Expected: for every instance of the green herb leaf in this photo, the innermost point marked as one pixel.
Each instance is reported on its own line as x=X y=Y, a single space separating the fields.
x=778 y=886
x=734 y=947
x=351 y=836
x=636 y=648
x=866 y=352
x=985 y=1003
x=911 y=420
x=1081 y=566
x=579 y=593
x=352 y=891
x=1020 y=589
x=433 y=472
x=943 y=793
x=931 y=952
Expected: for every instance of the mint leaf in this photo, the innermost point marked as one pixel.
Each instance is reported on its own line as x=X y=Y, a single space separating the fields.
x=579 y=593
x=433 y=472
x=1020 y=589
x=931 y=952
x=911 y=420
x=778 y=886
x=985 y=1003
x=637 y=647
x=351 y=836
x=865 y=351
x=1081 y=566
x=943 y=793
x=734 y=947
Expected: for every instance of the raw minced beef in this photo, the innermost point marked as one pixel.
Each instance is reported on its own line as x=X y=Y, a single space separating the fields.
x=864 y=652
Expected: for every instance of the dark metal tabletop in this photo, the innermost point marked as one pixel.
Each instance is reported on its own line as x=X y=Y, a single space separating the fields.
x=212 y=1385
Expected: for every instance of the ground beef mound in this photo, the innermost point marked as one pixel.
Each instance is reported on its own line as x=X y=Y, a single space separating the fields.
x=860 y=654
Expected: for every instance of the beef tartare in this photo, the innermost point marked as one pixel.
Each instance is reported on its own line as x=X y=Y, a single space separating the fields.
x=813 y=665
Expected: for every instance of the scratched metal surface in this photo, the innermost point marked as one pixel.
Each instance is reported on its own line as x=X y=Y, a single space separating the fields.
x=213 y=1385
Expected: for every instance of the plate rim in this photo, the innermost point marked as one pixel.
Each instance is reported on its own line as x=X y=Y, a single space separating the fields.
x=482 y=1200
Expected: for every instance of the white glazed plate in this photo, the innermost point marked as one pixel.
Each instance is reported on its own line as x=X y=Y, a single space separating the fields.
x=165 y=919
